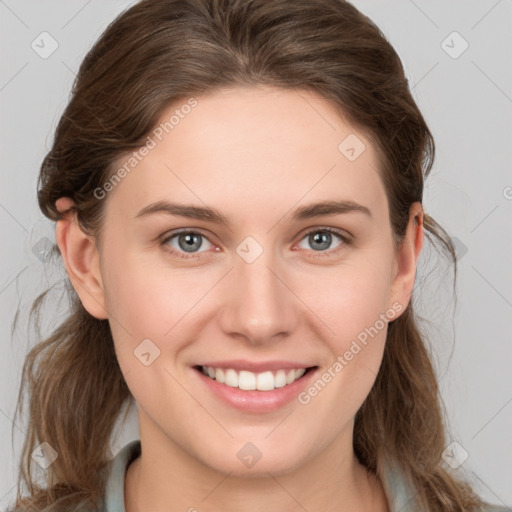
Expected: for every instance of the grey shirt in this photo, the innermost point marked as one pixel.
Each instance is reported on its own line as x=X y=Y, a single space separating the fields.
x=400 y=495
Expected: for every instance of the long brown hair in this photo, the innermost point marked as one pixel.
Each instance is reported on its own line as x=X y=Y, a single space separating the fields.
x=155 y=54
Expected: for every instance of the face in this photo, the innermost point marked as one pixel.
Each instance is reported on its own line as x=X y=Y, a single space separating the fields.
x=276 y=285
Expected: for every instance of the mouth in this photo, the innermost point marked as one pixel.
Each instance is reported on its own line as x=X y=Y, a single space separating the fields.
x=252 y=381
x=254 y=392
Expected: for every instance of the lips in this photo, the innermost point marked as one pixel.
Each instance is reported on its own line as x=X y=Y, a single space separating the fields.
x=262 y=393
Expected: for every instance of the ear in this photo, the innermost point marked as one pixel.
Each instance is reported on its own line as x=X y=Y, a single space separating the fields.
x=81 y=258
x=407 y=256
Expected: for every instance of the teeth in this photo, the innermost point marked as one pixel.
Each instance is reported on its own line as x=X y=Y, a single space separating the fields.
x=248 y=381
x=219 y=375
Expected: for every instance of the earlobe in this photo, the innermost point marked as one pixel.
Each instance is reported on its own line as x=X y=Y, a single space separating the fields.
x=81 y=258
x=407 y=257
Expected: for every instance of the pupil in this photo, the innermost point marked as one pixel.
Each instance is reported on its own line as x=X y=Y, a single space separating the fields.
x=323 y=238
x=190 y=240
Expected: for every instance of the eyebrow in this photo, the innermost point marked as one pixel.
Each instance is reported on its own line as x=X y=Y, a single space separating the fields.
x=212 y=215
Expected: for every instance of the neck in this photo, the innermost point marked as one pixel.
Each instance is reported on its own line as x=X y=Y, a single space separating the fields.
x=167 y=478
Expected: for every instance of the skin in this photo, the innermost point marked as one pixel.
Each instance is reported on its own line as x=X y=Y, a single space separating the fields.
x=255 y=154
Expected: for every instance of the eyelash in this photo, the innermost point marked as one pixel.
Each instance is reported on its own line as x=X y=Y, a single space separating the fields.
x=316 y=254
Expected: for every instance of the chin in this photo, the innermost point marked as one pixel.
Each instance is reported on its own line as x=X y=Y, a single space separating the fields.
x=251 y=462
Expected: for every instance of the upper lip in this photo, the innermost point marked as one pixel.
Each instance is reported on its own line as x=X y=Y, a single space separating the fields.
x=256 y=367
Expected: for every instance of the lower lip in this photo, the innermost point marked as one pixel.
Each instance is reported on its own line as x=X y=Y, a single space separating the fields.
x=257 y=401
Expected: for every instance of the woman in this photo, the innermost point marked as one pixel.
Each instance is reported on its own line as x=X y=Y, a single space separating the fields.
x=268 y=372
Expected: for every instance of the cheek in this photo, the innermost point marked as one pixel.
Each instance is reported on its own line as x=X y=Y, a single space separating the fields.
x=148 y=301
x=352 y=302
x=349 y=298
x=148 y=315
x=354 y=311
x=148 y=298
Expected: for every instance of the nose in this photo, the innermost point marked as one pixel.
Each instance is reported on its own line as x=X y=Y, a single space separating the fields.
x=258 y=305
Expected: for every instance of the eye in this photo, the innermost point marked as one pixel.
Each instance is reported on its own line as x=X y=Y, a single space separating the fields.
x=185 y=244
x=321 y=240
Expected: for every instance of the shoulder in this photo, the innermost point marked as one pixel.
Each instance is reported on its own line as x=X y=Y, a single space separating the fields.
x=401 y=493
x=114 y=485
x=113 y=499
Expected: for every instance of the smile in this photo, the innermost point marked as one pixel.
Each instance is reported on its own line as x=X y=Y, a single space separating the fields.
x=254 y=386
x=250 y=381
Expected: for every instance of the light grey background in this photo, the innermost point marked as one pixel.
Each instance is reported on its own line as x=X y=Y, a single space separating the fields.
x=467 y=102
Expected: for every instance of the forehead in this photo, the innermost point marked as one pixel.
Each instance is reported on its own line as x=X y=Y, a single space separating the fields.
x=253 y=150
